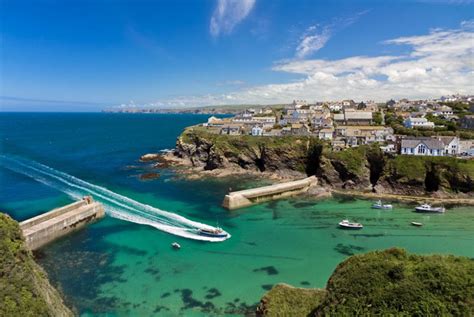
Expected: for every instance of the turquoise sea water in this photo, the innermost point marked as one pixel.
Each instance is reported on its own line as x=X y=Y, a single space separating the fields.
x=120 y=268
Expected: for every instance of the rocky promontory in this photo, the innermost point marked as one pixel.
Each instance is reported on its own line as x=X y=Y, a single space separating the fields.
x=363 y=169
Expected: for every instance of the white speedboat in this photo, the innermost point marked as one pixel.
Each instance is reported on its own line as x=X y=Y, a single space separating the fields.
x=216 y=233
x=416 y=224
x=176 y=245
x=379 y=205
x=429 y=208
x=346 y=224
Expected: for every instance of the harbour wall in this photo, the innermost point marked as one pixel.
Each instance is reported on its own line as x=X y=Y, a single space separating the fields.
x=248 y=197
x=58 y=222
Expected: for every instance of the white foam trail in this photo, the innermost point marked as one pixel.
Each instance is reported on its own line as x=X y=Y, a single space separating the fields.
x=117 y=206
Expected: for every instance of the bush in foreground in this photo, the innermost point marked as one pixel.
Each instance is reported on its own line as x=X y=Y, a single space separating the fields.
x=385 y=283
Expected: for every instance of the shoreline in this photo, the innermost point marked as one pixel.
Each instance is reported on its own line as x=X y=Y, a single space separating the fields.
x=184 y=167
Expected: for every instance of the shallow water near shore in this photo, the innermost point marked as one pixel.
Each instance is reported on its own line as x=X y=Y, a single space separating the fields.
x=120 y=268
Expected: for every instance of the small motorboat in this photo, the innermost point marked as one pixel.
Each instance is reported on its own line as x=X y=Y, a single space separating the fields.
x=379 y=205
x=416 y=224
x=216 y=233
x=176 y=245
x=429 y=208
x=346 y=224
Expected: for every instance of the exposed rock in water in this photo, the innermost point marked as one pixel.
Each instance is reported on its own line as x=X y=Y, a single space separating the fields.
x=149 y=176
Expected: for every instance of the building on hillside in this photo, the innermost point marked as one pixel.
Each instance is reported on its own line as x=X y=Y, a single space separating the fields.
x=326 y=134
x=451 y=145
x=423 y=146
x=256 y=131
x=216 y=122
x=352 y=117
x=231 y=129
x=411 y=122
x=434 y=146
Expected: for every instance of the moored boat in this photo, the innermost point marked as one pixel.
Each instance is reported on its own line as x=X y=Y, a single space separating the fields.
x=416 y=224
x=379 y=205
x=176 y=245
x=429 y=208
x=346 y=224
x=217 y=232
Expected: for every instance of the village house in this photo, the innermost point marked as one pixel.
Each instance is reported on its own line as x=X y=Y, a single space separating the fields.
x=443 y=111
x=411 y=122
x=326 y=134
x=422 y=146
x=353 y=117
x=215 y=122
x=231 y=129
x=434 y=146
x=256 y=131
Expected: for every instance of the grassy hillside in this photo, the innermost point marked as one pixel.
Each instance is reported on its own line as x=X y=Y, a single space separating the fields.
x=24 y=288
x=385 y=283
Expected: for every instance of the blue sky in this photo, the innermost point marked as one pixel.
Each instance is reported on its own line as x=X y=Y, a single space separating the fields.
x=85 y=55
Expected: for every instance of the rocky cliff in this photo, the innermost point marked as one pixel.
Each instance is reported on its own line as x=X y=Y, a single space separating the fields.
x=24 y=287
x=364 y=168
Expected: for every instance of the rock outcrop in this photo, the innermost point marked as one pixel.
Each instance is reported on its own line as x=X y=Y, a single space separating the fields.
x=364 y=168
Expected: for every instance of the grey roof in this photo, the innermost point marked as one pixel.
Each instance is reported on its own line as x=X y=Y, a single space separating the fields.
x=358 y=115
x=430 y=143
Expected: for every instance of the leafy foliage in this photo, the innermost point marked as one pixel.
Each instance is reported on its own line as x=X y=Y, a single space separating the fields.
x=24 y=290
x=391 y=282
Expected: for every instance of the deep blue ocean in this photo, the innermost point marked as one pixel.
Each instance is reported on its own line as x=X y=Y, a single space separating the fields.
x=124 y=265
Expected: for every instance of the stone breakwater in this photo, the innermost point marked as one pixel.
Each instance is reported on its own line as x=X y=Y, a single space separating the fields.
x=58 y=222
x=248 y=197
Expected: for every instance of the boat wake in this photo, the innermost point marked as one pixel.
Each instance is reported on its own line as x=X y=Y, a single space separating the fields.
x=116 y=205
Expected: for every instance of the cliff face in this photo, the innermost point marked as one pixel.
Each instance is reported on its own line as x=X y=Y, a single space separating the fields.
x=24 y=287
x=383 y=283
x=364 y=168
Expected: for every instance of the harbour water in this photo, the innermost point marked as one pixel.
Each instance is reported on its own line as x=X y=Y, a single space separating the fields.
x=118 y=267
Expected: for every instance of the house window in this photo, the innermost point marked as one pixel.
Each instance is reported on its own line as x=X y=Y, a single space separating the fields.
x=422 y=149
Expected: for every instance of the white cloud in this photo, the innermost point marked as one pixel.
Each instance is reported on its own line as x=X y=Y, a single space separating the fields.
x=312 y=41
x=315 y=37
x=438 y=63
x=227 y=14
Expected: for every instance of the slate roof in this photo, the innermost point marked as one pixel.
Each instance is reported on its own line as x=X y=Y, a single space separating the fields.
x=430 y=143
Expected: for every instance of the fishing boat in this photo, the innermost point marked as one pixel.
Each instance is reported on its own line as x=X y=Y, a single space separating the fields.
x=416 y=224
x=176 y=245
x=216 y=233
x=379 y=205
x=346 y=224
x=429 y=208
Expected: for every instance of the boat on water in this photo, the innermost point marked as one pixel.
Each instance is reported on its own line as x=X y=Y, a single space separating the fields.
x=346 y=224
x=216 y=233
x=416 y=224
x=176 y=245
x=429 y=208
x=379 y=205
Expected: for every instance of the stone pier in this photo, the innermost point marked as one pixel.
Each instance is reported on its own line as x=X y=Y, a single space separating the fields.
x=58 y=222
x=249 y=197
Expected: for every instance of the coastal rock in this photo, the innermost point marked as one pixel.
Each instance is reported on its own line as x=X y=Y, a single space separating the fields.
x=364 y=169
x=149 y=157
